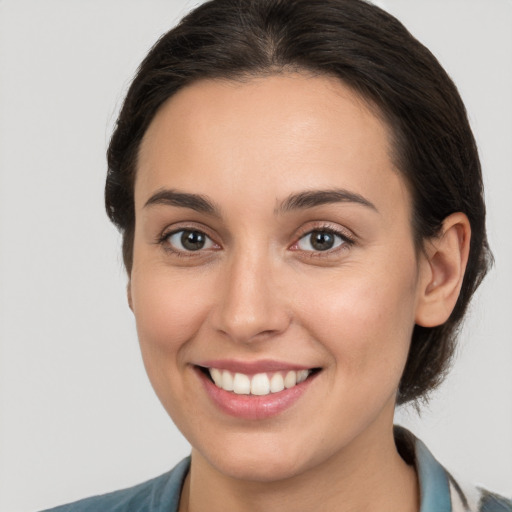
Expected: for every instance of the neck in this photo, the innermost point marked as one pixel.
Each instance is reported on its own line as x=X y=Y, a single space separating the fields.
x=368 y=475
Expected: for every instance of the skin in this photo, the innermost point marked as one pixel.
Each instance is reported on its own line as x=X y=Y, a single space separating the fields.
x=257 y=291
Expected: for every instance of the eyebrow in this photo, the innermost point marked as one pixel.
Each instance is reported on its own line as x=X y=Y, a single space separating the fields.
x=195 y=202
x=312 y=198
x=299 y=201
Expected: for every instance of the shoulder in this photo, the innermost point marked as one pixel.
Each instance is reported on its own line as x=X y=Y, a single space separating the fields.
x=471 y=498
x=155 y=495
x=491 y=502
x=439 y=490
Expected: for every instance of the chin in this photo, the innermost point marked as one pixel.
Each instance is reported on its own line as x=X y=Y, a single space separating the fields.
x=257 y=468
x=258 y=460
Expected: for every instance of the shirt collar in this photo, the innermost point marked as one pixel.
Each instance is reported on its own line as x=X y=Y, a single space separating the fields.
x=433 y=479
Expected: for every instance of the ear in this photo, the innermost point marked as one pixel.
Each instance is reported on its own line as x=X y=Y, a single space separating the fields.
x=129 y=294
x=442 y=271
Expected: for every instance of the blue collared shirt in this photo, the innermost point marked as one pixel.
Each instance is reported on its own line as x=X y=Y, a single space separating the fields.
x=439 y=492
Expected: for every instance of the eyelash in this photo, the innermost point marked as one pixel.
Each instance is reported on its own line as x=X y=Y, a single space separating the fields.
x=163 y=240
x=346 y=241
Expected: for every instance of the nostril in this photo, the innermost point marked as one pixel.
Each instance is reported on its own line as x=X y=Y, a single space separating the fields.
x=268 y=333
x=248 y=333
x=249 y=309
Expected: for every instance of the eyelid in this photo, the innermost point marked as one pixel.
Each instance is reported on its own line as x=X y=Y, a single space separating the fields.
x=349 y=238
x=163 y=238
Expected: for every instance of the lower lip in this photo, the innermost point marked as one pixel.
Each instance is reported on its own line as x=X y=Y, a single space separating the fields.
x=253 y=407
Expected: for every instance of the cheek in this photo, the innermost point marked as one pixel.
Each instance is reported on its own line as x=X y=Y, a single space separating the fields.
x=168 y=310
x=365 y=320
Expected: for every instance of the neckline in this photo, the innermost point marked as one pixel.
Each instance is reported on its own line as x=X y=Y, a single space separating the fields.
x=432 y=477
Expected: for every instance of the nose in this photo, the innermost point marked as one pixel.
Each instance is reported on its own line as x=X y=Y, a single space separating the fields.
x=251 y=303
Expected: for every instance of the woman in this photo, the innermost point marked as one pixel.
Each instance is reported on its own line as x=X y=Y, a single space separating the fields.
x=303 y=224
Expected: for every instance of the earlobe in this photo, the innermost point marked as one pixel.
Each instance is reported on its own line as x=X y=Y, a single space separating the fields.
x=444 y=265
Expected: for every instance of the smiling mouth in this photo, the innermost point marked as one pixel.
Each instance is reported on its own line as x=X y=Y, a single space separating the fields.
x=259 y=384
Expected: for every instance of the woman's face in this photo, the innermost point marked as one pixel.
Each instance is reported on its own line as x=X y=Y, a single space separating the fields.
x=273 y=238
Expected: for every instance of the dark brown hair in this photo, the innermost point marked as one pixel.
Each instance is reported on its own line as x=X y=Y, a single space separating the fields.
x=370 y=51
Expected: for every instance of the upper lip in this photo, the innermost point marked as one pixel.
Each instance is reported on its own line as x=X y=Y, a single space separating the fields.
x=252 y=367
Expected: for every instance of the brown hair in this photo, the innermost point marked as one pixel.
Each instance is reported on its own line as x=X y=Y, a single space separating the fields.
x=372 y=52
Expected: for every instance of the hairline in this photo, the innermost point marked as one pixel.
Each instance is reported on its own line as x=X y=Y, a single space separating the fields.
x=388 y=118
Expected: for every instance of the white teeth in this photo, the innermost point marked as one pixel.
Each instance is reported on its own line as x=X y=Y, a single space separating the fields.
x=241 y=384
x=260 y=384
x=216 y=376
x=290 y=380
x=227 y=381
x=276 y=383
x=302 y=375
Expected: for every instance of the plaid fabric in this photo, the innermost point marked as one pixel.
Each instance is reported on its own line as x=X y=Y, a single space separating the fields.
x=440 y=492
x=475 y=499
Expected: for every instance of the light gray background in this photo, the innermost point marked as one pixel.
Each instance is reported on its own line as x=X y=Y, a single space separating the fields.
x=77 y=415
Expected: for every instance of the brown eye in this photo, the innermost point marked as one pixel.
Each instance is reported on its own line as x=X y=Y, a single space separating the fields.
x=320 y=241
x=189 y=240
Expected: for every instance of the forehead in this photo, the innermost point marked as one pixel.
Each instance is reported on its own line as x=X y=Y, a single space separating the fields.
x=283 y=132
